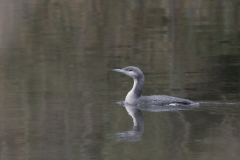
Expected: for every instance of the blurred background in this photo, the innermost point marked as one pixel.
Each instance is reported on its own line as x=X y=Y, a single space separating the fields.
x=58 y=93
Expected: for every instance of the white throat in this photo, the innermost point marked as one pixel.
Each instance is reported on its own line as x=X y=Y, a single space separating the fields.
x=131 y=96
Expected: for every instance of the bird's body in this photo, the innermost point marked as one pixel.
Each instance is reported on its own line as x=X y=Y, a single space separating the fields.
x=162 y=100
x=134 y=95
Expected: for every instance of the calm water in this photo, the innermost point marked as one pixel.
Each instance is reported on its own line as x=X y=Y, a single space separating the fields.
x=58 y=94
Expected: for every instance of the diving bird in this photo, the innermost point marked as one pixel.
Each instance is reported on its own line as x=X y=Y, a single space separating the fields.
x=134 y=96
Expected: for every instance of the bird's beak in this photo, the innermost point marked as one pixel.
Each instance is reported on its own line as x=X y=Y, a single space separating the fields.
x=118 y=70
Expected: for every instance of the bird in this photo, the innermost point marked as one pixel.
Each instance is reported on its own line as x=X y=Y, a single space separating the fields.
x=134 y=96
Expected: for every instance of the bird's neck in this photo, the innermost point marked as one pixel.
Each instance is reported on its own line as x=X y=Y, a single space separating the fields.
x=136 y=91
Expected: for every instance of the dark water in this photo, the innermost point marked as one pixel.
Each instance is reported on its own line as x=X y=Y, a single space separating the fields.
x=58 y=94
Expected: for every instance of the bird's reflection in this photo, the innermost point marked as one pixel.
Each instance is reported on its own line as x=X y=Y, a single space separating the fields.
x=138 y=125
x=138 y=122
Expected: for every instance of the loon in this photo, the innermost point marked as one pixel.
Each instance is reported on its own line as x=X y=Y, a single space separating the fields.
x=134 y=95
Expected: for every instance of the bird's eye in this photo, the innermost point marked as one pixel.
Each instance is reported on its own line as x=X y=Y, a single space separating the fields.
x=130 y=70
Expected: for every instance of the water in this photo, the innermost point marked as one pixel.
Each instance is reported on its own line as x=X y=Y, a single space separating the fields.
x=58 y=94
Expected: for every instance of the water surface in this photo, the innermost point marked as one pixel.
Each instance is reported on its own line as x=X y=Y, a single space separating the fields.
x=58 y=94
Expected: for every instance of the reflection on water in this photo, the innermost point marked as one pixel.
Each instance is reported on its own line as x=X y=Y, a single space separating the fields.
x=57 y=89
x=138 y=121
x=186 y=132
x=138 y=125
